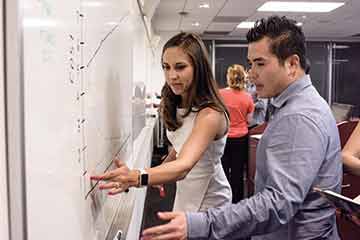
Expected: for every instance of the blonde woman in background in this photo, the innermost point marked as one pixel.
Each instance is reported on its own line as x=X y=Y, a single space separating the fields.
x=241 y=107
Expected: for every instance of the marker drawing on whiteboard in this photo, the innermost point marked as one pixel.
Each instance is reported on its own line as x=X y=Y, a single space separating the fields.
x=104 y=39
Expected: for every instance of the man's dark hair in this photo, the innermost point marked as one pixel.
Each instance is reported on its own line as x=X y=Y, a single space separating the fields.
x=308 y=66
x=286 y=38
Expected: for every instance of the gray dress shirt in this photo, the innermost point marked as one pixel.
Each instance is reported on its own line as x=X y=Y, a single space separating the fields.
x=299 y=150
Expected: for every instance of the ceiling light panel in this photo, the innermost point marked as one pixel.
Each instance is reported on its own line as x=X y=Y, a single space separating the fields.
x=275 y=6
x=246 y=25
x=204 y=5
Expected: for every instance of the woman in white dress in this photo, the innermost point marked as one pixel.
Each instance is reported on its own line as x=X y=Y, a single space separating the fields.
x=197 y=125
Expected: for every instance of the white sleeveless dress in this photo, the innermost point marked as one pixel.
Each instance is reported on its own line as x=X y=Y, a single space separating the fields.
x=205 y=186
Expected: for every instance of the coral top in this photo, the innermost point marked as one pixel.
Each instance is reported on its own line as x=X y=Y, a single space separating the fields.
x=239 y=104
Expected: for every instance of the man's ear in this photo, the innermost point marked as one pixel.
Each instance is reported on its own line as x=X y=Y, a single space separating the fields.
x=292 y=63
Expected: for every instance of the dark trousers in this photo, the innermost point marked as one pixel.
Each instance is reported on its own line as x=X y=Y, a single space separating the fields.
x=233 y=161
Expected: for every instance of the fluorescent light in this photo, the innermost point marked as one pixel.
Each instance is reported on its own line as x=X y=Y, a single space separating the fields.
x=246 y=25
x=299 y=24
x=274 y=6
x=341 y=46
x=341 y=60
x=204 y=5
x=196 y=24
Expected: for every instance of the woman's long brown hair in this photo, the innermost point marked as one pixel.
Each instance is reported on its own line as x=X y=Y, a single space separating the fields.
x=203 y=91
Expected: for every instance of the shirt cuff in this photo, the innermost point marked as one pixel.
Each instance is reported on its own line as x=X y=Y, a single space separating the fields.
x=197 y=225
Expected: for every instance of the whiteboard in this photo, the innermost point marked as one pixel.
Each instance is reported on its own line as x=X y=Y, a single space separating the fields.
x=78 y=87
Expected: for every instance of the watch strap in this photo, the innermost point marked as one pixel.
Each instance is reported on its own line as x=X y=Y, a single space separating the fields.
x=143 y=178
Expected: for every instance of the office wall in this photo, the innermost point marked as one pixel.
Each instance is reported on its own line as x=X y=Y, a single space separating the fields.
x=4 y=234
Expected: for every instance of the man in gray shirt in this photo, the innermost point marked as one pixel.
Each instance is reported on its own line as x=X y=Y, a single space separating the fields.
x=299 y=150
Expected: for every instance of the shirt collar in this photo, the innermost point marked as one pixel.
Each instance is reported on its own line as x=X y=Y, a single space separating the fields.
x=291 y=90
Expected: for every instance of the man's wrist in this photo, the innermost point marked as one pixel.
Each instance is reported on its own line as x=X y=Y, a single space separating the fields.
x=197 y=225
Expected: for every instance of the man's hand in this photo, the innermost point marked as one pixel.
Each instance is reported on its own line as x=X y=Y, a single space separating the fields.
x=176 y=229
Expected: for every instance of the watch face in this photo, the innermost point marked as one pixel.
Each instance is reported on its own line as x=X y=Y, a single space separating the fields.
x=144 y=179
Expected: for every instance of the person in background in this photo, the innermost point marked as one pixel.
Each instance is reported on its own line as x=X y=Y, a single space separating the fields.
x=240 y=106
x=196 y=121
x=260 y=105
x=351 y=152
x=351 y=161
x=353 y=114
x=299 y=150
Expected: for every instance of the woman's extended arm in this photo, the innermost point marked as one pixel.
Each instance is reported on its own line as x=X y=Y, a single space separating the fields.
x=351 y=152
x=208 y=125
x=171 y=156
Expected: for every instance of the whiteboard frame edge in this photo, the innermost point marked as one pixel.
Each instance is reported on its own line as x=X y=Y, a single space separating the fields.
x=14 y=118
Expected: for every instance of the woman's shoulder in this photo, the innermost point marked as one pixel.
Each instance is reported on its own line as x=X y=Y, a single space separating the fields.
x=210 y=113
x=212 y=120
x=208 y=110
x=224 y=90
x=210 y=116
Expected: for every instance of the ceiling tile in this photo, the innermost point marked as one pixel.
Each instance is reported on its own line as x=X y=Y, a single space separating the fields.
x=240 y=8
x=215 y=6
